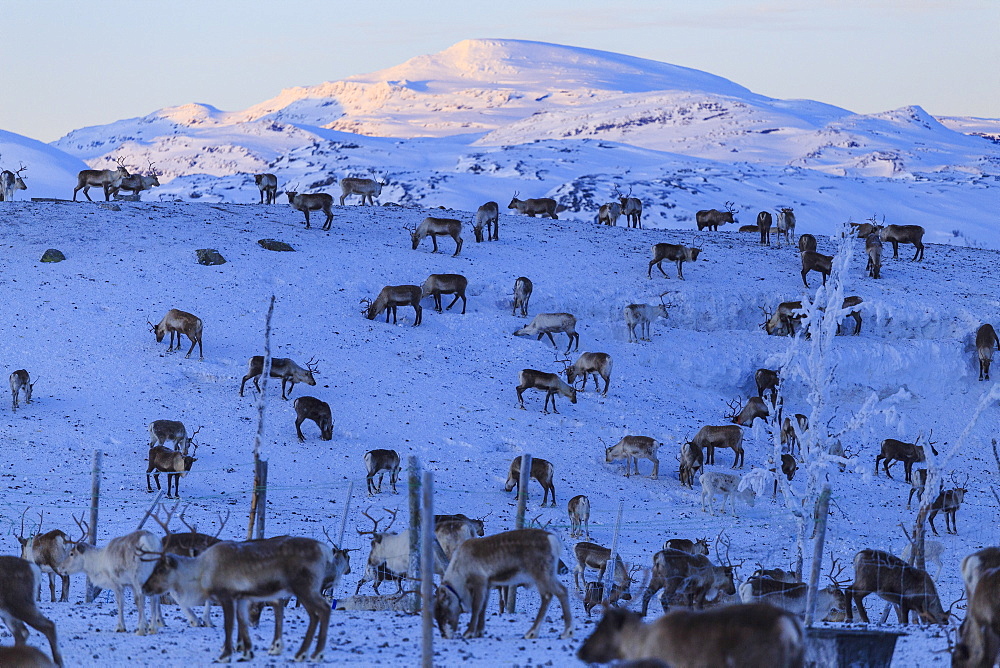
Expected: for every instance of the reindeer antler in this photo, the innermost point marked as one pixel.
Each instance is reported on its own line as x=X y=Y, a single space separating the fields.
x=834 y=575
x=222 y=524
x=21 y=168
x=313 y=365
x=84 y=527
x=165 y=524
x=734 y=408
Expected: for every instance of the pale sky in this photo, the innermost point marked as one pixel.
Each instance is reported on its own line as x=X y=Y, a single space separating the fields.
x=67 y=65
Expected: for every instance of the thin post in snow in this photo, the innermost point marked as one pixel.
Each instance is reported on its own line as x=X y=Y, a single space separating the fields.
x=343 y=519
x=822 y=512
x=416 y=526
x=95 y=500
x=259 y=436
x=609 y=572
x=149 y=511
x=260 y=489
x=522 y=505
x=427 y=573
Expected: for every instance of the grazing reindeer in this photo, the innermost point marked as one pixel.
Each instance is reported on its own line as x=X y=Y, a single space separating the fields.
x=728 y=436
x=161 y=431
x=632 y=449
x=986 y=339
x=311 y=408
x=369 y=189
x=541 y=470
x=609 y=214
x=906 y=587
x=47 y=551
x=19 y=580
x=136 y=183
x=392 y=296
x=522 y=293
x=592 y=555
x=788 y=468
x=179 y=322
x=488 y=216
x=379 y=461
x=117 y=565
x=784 y=319
x=697 y=546
x=675 y=252
x=268 y=186
x=20 y=381
x=106 y=178
x=692 y=460
x=978 y=643
x=813 y=261
x=789 y=435
x=172 y=462
x=631 y=207
x=9 y=182
x=511 y=558
x=692 y=575
x=591 y=363
x=550 y=383
x=643 y=315
x=831 y=604
x=755 y=634
x=908 y=453
x=767 y=381
x=550 y=323
x=948 y=501
x=786 y=224
x=435 y=227
x=445 y=284
x=284 y=368
x=764 y=221
x=907 y=234
x=727 y=485
x=579 y=516
x=807 y=242
x=754 y=408
x=545 y=206
x=312 y=202
x=710 y=219
x=873 y=248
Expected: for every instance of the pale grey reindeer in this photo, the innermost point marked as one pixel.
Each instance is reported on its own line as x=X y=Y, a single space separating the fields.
x=591 y=363
x=268 y=186
x=522 y=294
x=369 y=189
x=643 y=315
x=548 y=323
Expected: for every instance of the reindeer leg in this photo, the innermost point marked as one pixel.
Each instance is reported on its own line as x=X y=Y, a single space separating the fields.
x=277 y=644
x=542 y=609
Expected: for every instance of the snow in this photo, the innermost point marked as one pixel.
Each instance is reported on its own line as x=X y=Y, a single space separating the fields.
x=444 y=391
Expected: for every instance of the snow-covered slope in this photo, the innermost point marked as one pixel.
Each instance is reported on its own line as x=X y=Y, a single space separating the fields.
x=49 y=170
x=444 y=392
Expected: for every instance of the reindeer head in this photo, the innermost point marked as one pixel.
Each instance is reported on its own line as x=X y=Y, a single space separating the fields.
x=368 y=308
x=514 y=200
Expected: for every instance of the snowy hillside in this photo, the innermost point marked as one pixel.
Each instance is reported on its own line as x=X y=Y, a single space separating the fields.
x=49 y=170
x=489 y=117
x=444 y=392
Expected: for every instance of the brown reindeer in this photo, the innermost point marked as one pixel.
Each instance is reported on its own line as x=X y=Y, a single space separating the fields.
x=948 y=501
x=906 y=587
x=445 y=284
x=311 y=408
x=550 y=383
x=435 y=227
x=986 y=340
x=545 y=206
x=764 y=222
x=47 y=550
x=312 y=202
x=908 y=453
x=728 y=436
x=284 y=368
x=692 y=576
x=692 y=459
x=106 y=178
x=173 y=463
x=392 y=296
x=907 y=234
x=18 y=584
x=674 y=252
x=710 y=219
x=541 y=470
x=179 y=322
x=813 y=261
x=978 y=643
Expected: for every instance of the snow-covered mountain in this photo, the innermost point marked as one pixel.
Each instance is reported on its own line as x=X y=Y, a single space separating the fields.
x=50 y=172
x=489 y=117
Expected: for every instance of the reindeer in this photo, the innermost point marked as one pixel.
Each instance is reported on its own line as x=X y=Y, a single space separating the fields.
x=975 y=565
x=172 y=462
x=907 y=234
x=786 y=224
x=643 y=315
x=631 y=207
x=831 y=604
x=631 y=449
x=986 y=339
x=710 y=219
x=312 y=202
x=487 y=216
x=20 y=381
x=445 y=284
x=978 y=643
x=388 y=556
x=738 y=635
x=281 y=367
x=754 y=408
x=47 y=551
x=697 y=546
x=511 y=558
x=136 y=183
x=789 y=435
x=379 y=461
x=106 y=178
x=311 y=408
x=541 y=470
x=19 y=580
x=579 y=516
x=784 y=319
x=545 y=206
x=161 y=431
x=807 y=242
x=948 y=501
x=235 y=574
x=117 y=565
x=691 y=461
x=550 y=383
x=692 y=575
x=727 y=485
x=550 y=323
x=813 y=261
x=906 y=587
x=591 y=363
x=873 y=248
x=11 y=181
x=677 y=253
x=453 y=530
x=392 y=296
x=764 y=221
x=933 y=551
x=369 y=189
x=268 y=186
x=522 y=293
x=592 y=555
x=609 y=214
x=435 y=227
x=918 y=481
x=728 y=436
x=179 y=322
x=767 y=381
x=908 y=453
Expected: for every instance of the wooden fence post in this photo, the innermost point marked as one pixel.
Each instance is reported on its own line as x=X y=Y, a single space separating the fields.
x=255 y=504
x=416 y=525
x=427 y=570
x=95 y=499
x=522 y=505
